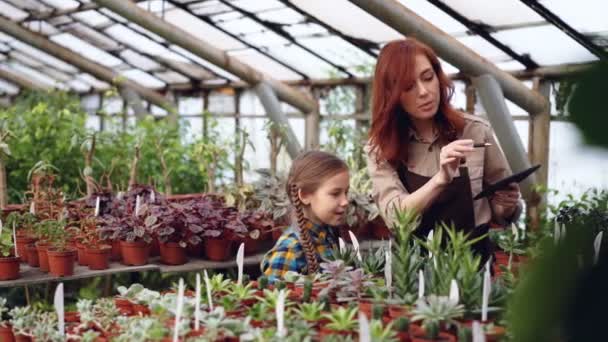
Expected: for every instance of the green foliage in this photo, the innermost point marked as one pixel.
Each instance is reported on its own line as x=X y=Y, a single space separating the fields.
x=311 y=312
x=7 y=244
x=405 y=256
x=342 y=319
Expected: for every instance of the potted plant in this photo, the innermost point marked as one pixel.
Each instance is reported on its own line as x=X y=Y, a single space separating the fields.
x=381 y=333
x=259 y=225
x=435 y=311
x=61 y=256
x=135 y=241
x=9 y=263
x=222 y=226
x=47 y=231
x=311 y=312
x=341 y=321
x=176 y=225
x=24 y=225
x=6 y=329
x=243 y=294
x=23 y=319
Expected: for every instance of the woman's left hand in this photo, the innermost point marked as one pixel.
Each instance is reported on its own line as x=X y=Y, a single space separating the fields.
x=504 y=202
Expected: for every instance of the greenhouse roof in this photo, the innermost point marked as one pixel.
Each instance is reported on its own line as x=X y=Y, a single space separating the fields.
x=290 y=40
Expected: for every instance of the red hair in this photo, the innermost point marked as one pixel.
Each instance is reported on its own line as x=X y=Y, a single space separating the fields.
x=394 y=73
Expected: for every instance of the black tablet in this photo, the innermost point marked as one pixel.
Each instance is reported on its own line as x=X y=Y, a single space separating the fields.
x=504 y=183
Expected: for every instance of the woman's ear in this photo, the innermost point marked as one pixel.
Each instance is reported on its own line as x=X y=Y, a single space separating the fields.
x=304 y=197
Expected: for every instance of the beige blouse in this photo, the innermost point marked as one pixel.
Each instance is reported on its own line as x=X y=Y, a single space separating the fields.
x=486 y=165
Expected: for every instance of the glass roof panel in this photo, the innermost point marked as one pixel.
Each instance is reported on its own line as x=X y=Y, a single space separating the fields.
x=341 y=14
x=156 y=6
x=143 y=78
x=306 y=63
x=139 y=60
x=484 y=48
x=41 y=27
x=217 y=70
x=8 y=88
x=305 y=30
x=241 y=26
x=503 y=12
x=25 y=59
x=30 y=5
x=585 y=16
x=58 y=75
x=92 y=18
x=556 y=46
x=209 y=7
x=27 y=72
x=131 y=38
x=85 y=49
x=265 y=64
x=257 y=5
x=338 y=51
x=189 y=105
x=202 y=30
x=265 y=39
x=171 y=77
x=92 y=36
x=79 y=86
x=511 y=65
x=42 y=56
x=62 y=4
x=283 y=16
x=94 y=82
x=12 y=12
x=435 y=16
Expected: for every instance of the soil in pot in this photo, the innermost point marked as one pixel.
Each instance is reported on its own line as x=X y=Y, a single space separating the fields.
x=32 y=255
x=171 y=253
x=43 y=257
x=23 y=338
x=9 y=268
x=98 y=257
x=134 y=253
x=218 y=249
x=443 y=337
x=61 y=262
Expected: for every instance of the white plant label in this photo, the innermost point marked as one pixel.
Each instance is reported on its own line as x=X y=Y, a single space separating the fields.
x=556 y=232
x=15 y=240
x=137 y=205
x=152 y=196
x=420 y=284
x=97 y=207
x=341 y=244
x=388 y=272
x=563 y=234
x=486 y=294
x=477 y=331
x=280 y=313
x=197 y=303
x=429 y=238
x=33 y=208
x=208 y=287
x=240 y=257
x=178 y=310
x=364 y=331
x=514 y=231
x=597 y=243
x=58 y=302
x=355 y=242
x=454 y=294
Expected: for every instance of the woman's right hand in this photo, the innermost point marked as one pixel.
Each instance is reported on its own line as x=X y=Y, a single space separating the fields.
x=449 y=159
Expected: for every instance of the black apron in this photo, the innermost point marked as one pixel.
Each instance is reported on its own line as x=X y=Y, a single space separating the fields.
x=454 y=205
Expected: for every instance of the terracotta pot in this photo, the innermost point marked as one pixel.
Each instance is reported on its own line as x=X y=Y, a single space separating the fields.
x=276 y=233
x=6 y=333
x=134 y=253
x=403 y=336
x=22 y=242
x=491 y=336
x=171 y=253
x=324 y=332
x=82 y=254
x=218 y=249
x=43 y=257
x=98 y=258
x=32 y=255
x=61 y=263
x=23 y=338
x=252 y=246
x=196 y=251
x=379 y=230
x=116 y=254
x=9 y=268
x=396 y=311
x=154 y=247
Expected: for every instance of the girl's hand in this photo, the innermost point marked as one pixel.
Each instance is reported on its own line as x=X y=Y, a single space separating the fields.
x=449 y=159
x=504 y=202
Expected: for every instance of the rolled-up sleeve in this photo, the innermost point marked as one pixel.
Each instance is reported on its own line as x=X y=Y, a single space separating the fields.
x=387 y=189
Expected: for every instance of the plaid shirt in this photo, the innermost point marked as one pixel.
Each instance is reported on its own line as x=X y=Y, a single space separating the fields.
x=288 y=254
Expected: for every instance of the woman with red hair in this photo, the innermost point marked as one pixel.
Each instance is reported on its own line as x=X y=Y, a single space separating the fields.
x=421 y=153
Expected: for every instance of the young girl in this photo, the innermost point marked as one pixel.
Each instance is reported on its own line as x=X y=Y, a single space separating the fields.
x=317 y=186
